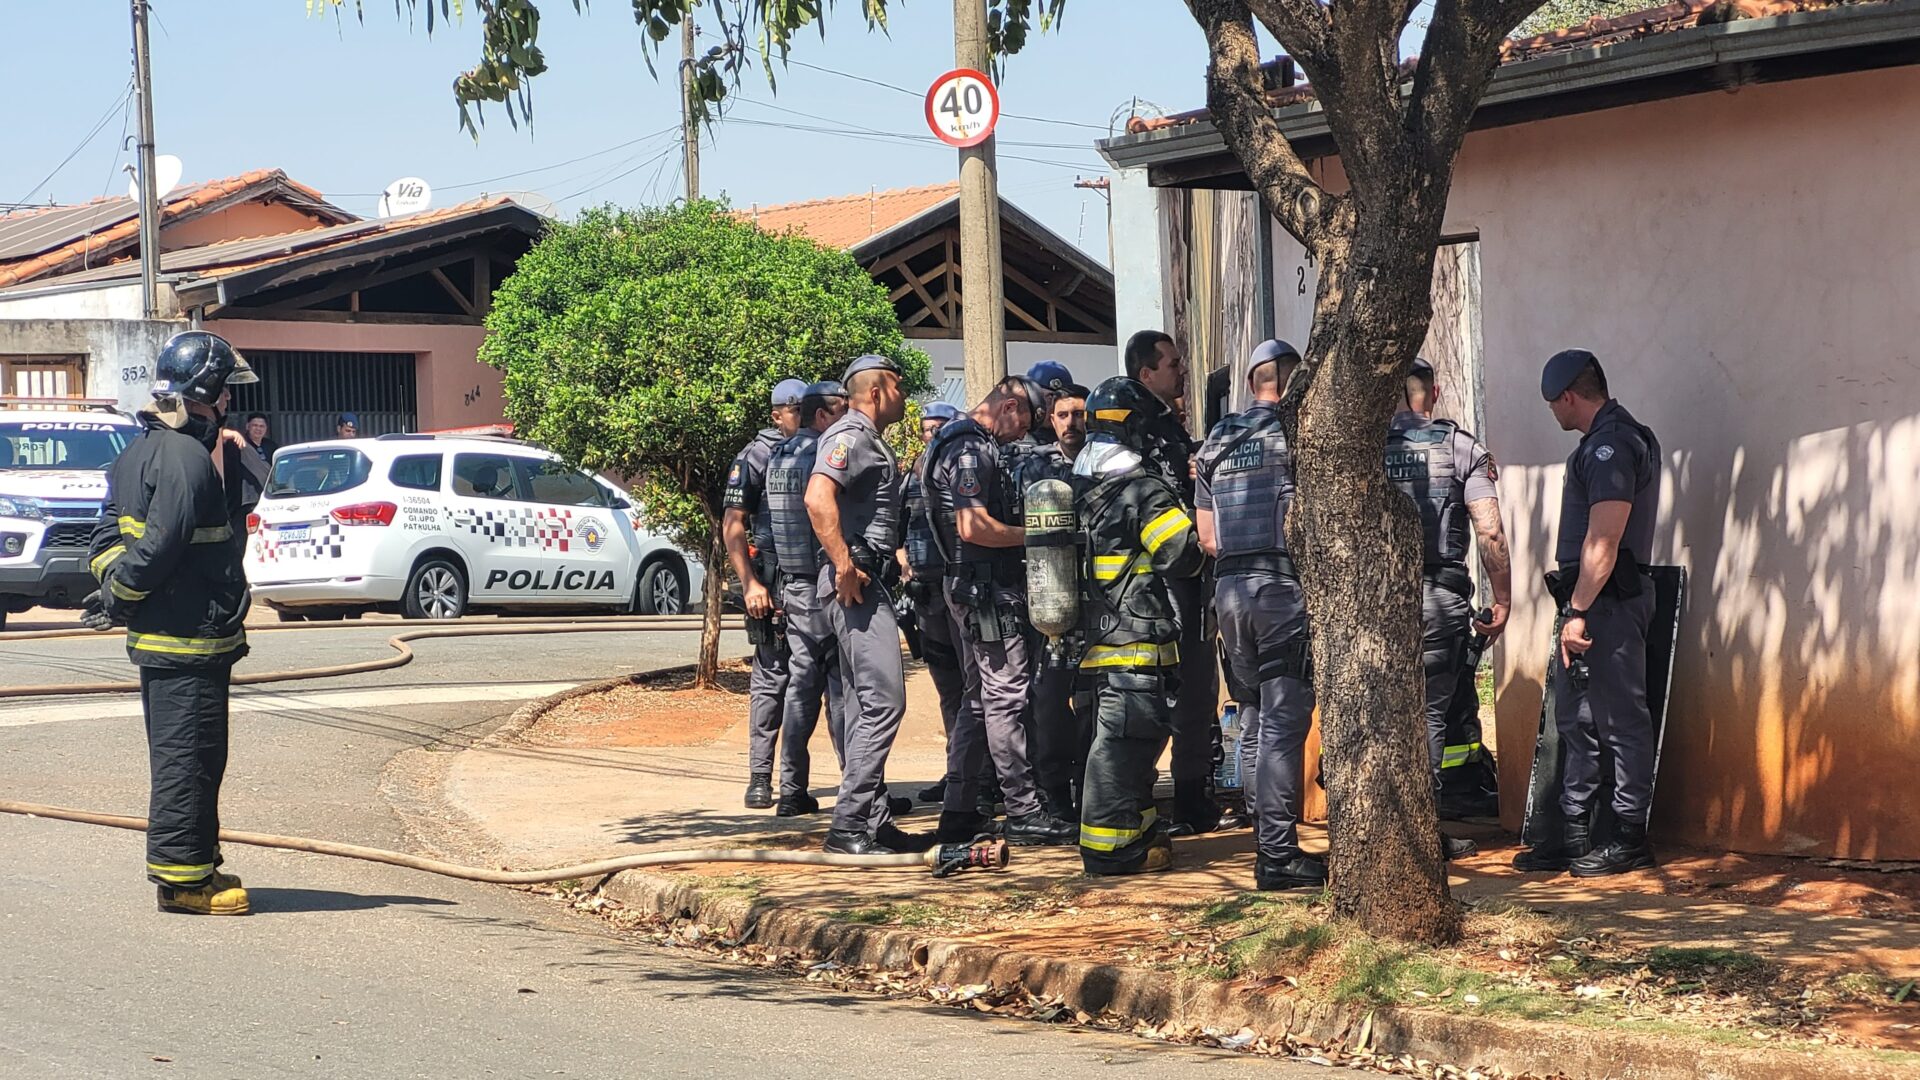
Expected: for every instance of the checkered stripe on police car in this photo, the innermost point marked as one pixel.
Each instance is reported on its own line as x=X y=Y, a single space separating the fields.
x=519 y=526
x=324 y=541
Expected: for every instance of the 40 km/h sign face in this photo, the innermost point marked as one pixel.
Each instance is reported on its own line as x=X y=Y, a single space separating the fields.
x=962 y=107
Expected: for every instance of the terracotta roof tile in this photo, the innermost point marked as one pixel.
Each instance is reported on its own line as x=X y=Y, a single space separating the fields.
x=183 y=203
x=846 y=220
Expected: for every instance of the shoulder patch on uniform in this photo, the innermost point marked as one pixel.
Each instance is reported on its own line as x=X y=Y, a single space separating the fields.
x=966 y=476
x=1603 y=453
x=733 y=477
x=1493 y=467
x=837 y=457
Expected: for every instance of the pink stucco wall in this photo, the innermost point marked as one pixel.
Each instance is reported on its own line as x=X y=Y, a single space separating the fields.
x=454 y=388
x=234 y=223
x=1744 y=263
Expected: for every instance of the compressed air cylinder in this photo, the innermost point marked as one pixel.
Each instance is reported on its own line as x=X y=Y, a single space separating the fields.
x=1053 y=587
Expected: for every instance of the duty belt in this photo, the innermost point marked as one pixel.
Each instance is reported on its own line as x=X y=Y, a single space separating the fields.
x=1451 y=576
x=1259 y=562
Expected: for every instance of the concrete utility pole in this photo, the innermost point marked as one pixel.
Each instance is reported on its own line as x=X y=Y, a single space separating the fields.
x=983 y=294
x=690 y=127
x=149 y=194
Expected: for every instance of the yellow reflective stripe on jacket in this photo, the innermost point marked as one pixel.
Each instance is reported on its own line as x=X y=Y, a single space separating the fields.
x=213 y=534
x=123 y=592
x=1453 y=757
x=185 y=646
x=1097 y=838
x=1128 y=656
x=105 y=559
x=180 y=875
x=1110 y=567
x=1164 y=528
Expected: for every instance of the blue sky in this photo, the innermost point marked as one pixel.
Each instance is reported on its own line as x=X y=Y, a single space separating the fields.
x=347 y=107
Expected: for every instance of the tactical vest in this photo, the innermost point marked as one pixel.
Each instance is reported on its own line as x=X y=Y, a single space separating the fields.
x=946 y=518
x=761 y=529
x=1252 y=483
x=1420 y=462
x=923 y=554
x=785 y=499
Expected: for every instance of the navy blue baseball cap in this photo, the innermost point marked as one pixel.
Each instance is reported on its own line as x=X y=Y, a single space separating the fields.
x=939 y=410
x=346 y=418
x=826 y=388
x=789 y=392
x=870 y=362
x=1269 y=351
x=1421 y=367
x=1051 y=375
x=1562 y=368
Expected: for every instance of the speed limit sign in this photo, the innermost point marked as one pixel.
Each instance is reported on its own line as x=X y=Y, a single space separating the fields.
x=962 y=107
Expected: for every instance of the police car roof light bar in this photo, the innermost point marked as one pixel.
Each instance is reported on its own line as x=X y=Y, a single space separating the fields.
x=107 y=404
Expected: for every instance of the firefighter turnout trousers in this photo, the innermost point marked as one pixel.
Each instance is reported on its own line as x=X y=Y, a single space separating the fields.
x=1120 y=830
x=186 y=710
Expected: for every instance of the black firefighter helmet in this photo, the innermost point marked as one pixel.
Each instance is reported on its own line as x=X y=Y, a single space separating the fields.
x=197 y=366
x=1124 y=411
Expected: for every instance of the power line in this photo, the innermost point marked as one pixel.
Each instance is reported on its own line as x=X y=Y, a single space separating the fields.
x=85 y=141
x=902 y=134
x=525 y=172
x=662 y=155
x=921 y=96
x=895 y=138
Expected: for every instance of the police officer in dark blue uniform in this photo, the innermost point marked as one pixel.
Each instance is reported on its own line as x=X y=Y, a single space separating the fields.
x=1243 y=492
x=813 y=655
x=1608 y=502
x=746 y=532
x=924 y=568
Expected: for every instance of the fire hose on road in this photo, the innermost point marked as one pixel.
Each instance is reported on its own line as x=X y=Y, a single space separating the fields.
x=943 y=860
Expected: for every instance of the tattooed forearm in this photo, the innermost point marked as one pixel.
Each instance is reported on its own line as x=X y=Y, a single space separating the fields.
x=1494 y=555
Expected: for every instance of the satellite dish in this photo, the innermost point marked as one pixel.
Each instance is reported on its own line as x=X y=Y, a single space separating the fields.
x=407 y=195
x=534 y=201
x=166 y=176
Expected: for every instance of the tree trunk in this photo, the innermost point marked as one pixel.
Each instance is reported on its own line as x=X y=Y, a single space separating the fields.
x=1360 y=542
x=707 y=667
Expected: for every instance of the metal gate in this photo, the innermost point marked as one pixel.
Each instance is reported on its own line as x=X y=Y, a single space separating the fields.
x=302 y=393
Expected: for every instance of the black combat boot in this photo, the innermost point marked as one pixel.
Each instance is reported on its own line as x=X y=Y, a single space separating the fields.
x=935 y=793
x=1194 y=809
x=891 y=836
x=961 y=827
x=760 y=791
x=1041 y=829
x=1456 y=847
x=899 y=805
x=796 y=804
x=1303 y=871
x=849 y=842
x=1555 y=856
x=1627 y=851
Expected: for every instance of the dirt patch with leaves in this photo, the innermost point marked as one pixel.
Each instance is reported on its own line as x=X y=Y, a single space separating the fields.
x=662 y=710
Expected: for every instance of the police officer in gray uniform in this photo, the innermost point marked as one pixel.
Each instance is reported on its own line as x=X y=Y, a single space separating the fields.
x=745 y=531
x=978 y=530
x=925 y=568
x=1607 y=505
x=813 y=656
x=1243 y=491
x=1450 y=476
x=853 y=499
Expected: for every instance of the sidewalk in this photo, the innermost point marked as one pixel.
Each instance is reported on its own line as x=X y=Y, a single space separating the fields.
x=641 y=769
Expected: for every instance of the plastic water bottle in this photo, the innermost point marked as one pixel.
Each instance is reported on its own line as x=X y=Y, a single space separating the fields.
x=1227 y=775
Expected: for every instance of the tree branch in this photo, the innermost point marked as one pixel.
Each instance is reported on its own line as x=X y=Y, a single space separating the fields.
x=1461 y=53
x=1236 y=96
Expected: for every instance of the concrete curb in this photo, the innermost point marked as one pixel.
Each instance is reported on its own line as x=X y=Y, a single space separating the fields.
x=1515 y=1046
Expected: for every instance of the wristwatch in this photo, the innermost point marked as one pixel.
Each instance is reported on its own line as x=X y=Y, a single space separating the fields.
x=1571 y=612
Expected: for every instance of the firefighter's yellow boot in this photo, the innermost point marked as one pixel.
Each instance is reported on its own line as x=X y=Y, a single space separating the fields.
x=210 y=897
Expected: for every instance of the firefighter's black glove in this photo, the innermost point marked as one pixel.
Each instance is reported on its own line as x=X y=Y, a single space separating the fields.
x=93 y=612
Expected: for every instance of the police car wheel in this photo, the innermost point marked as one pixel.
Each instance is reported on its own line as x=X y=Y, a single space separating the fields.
x=661 y=590
x=437 y=589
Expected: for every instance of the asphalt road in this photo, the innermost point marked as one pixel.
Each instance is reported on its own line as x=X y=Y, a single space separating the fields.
x=351 y=969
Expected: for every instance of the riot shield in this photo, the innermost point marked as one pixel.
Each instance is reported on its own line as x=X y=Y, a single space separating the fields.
x=1542 y=822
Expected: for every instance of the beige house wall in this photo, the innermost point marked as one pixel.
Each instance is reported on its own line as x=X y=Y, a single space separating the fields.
x=1745 y=265
x=454 y=388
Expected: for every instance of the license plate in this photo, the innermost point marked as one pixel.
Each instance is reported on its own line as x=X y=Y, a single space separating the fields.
x=287 y=534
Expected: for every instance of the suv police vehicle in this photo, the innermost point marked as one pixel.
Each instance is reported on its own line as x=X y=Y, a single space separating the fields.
x=54 y=454
x=436 y=526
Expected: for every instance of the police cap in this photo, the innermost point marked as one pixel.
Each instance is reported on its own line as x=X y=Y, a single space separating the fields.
x=1422 y=368
x=346 y=418
x=871 y=362
x=826 y=388
x=1051 y=375
x=789 y=392
x=939 y=410
x=1269 y=351
x=1562 y=368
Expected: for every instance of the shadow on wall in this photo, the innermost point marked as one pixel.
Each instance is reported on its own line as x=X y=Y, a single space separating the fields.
x=1795 y=718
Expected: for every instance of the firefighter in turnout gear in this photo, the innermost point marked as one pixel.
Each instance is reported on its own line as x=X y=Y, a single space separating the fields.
x=922 y=569
x=1138 y=540
x=1244 y=490
x=977 y=527
x=813 y=655
x=746 y=531
x=169 y=566
x=1450 y=476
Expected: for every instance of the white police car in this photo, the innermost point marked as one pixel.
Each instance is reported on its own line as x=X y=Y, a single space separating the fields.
x=435 y=526
x=54 y=454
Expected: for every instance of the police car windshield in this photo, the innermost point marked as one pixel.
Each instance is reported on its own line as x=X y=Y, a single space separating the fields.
x=61 y=444
x=317 y=472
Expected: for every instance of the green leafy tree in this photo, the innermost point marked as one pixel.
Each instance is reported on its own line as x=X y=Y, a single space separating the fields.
x=647 y=344
x=1561 y=14
x=1398 y=129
